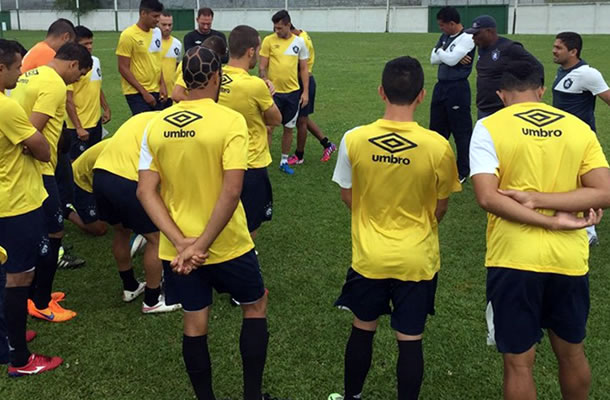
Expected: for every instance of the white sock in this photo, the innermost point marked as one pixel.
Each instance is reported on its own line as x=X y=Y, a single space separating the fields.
x=284 y=159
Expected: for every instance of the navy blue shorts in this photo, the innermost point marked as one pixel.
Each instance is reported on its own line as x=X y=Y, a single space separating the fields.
x=24 y=238
x=137 y=104
x=369 y=299
x=257 y=197
x=309 y=108
x=117 y=203
x=288 y=104
x=523 y=303
x=85 y=205
x=53 y=211
x=240 y=277
x=77 y=146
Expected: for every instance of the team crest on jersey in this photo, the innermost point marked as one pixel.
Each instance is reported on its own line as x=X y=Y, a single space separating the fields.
x=295 y=49
x=99 y=72
x=539 y=117
x=495 y=55
x=176 y=51
x=158 y=43
x=392 y=143
x=568 y=83
x=181 y=119
x=452 y=47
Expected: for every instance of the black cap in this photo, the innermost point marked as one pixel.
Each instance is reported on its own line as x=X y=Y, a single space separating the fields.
x=481 y=22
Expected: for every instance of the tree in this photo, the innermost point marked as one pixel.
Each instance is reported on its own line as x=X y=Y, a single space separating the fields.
x=70 y=5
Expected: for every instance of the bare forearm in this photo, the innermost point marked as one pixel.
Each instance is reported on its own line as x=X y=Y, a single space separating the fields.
x=511 y=210
x=103 y=101
x=574 y=201
x=157 y=211
x=221 y=215
x=131 y=79
x=71 y=111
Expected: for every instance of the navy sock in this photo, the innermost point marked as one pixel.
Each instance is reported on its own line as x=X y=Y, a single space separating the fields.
x=253 y=342
x=358 y=357
x=198 y=365
x=45 y=274
x=16 y=313
x=151 y=296
x=409 y=369
x=129 y=280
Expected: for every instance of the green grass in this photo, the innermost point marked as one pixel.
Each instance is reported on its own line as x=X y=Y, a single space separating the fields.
x=112 y=351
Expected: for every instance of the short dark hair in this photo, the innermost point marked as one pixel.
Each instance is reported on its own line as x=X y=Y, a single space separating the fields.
x=571 y=40
x=82 y=32
x=206 y=12
x=519 y=76
x=166 y=13
x=217 y=44
x=151 y=5
x=75 y=52
x=282 y=16
x=402 y=80
x=448 y=14
x=61 y=26
x=198 y=65
x=8 y=52
x=242 y=38
x=22 y=50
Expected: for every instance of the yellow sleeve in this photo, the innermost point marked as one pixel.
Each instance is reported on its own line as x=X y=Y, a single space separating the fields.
x=447 y=180
x=235 y=154
x=594 y=156
x=49 y=100
x=179 y=76
x=125 y=46
x=15 y=124
x=262 y=96
x=265 y=48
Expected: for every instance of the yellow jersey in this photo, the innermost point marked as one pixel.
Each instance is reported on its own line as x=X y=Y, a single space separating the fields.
x=312 y=52
x=144 y=50
x=82 y=167
x=3 y=255
x=22 y=189
x=86 y=95
x=397 y=171
x=284 y=56
x=122 y=155
x=191 y=145
x=171 y=50
x=249 y=96
x=42 y=90
x=535 y=147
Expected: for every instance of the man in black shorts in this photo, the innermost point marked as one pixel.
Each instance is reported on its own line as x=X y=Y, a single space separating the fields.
x=205 y=243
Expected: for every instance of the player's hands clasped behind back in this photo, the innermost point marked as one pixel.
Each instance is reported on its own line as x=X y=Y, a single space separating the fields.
x=189 y=258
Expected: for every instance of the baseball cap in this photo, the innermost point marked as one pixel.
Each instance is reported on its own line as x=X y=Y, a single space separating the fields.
x=481 y=22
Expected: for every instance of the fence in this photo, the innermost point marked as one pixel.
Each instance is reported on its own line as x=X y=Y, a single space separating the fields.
x=586 y=18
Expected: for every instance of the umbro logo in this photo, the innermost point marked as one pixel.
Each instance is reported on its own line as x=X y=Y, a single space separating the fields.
x=539 y=117
x=182 y=118
x=226 y=79
x=392 y=143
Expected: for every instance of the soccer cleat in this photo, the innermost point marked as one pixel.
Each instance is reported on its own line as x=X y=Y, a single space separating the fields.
x=29 y=336
x=160 y=307
x=137 y=243
x=335 y=396
x=285 y=168
x=57 y=309
x=294 y=160
x=462 y=179
x=593 y=241
x=68 y=261
x=129 y=296
x=37 y=364
x=328 y=152
x=48 y=314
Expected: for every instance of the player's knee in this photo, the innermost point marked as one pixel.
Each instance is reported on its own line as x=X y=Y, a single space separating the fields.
x=256 y=310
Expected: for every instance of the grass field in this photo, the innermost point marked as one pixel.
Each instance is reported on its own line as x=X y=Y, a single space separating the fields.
x=112 y=351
